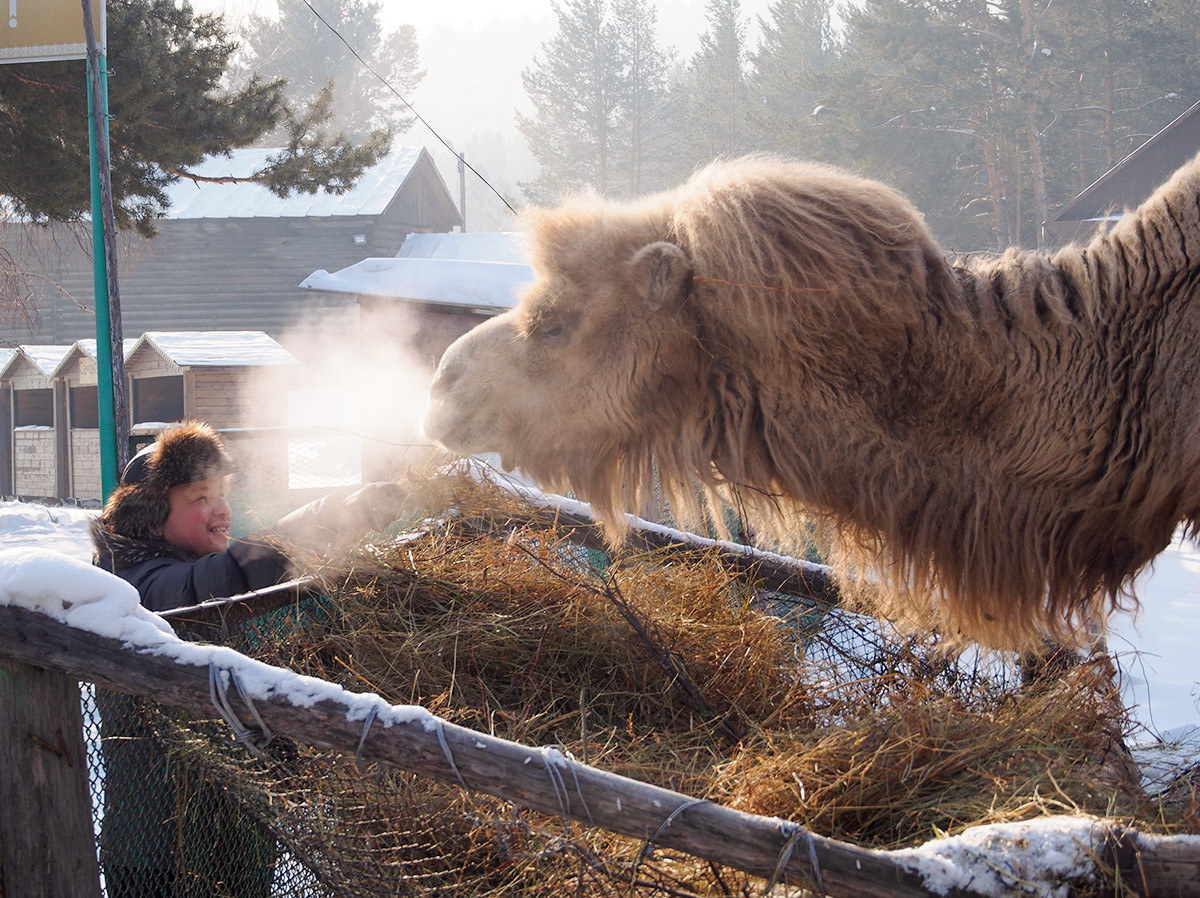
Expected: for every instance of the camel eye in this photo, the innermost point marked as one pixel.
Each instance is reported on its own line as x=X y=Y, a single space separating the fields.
x=555 y=325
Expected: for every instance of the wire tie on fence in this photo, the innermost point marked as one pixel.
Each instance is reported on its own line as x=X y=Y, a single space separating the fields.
x=267 y=735
x=362 y=740
x=792 y=833
x=442 y=741
x=648 y=847
x=816 y=865
x=220 y=699
x=571 y=765
x=556 y=780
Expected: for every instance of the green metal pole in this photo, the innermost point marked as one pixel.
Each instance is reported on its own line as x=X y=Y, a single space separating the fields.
x=104 y=359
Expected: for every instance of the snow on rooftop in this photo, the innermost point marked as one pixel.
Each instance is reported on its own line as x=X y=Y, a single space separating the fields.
x=473 y=246
x=88 y=346
x=6 y=356
x=456 y=282
x=200 y=199
x=45 y=357
x=200 y=348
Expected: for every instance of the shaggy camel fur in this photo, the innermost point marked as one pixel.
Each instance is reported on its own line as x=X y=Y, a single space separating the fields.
x=998 y=446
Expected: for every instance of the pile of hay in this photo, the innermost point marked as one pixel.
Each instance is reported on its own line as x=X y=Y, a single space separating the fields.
x=664 y=667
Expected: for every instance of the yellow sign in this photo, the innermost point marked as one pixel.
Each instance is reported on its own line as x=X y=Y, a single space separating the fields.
x=46 y=30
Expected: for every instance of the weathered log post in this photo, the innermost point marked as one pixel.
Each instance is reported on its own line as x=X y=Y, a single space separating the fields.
x=47 y=842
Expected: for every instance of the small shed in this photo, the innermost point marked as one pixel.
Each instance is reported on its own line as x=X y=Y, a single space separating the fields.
x=36 y=401
x=434 y=290
x=1128 y=183
x=237 y=381
x=77 y=376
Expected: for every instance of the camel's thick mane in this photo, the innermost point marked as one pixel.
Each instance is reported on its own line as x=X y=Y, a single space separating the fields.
x=996 y=446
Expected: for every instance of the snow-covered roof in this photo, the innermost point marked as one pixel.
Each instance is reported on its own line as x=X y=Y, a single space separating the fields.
x=6 y=356
x=474 y=246
x=87 y=349
x=484 y=270
x=195 y=349
x=484 y=285
x=44 y=357
x=201 y=199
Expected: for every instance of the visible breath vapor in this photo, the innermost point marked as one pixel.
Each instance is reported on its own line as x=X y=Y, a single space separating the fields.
x=354 y=403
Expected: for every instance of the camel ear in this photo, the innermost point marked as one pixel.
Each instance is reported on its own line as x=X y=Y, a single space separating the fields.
x=662 y=273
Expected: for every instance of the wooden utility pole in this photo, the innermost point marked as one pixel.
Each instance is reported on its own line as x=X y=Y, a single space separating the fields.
x=110 y=343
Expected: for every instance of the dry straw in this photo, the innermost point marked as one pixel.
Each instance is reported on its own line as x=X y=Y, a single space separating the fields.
x=667 y=667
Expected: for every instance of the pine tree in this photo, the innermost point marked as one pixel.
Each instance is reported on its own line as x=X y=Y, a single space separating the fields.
x=796 y=45
x=168 y=111
x=304 y=49
x=1123 y=69
x=716 y=95
x=990 y=113
x=643 y=126
x=576 y=96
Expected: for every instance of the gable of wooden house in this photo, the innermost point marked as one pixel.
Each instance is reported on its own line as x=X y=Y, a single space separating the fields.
x=229 y=256
x=76 y=376
x=1129 y=183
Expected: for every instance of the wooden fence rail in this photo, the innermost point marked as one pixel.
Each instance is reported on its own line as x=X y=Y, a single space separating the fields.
x=546 y=781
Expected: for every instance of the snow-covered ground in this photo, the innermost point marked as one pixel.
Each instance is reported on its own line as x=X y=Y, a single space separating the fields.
x=1159 y=650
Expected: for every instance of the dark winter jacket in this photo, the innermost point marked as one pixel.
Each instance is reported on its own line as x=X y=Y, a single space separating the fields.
x=166 y=576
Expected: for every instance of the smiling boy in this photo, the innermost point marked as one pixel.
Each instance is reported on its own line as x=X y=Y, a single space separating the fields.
x=165 y=529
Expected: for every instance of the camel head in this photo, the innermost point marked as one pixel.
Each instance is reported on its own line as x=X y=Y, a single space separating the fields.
x=597 y=357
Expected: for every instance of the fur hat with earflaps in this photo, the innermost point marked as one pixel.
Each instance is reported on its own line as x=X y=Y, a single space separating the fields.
x=138 y=508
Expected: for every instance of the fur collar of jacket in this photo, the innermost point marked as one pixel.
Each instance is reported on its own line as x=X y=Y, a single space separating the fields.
x=114 y=551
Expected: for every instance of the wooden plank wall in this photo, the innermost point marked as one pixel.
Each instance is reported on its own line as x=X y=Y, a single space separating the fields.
x=239 y=396
x=6 y=440
x=85 y=463
x=34 y=461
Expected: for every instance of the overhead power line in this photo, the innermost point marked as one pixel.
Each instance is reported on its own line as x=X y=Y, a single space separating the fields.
x=412 y=108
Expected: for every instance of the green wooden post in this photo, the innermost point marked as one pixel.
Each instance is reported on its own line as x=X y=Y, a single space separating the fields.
x=109 y=359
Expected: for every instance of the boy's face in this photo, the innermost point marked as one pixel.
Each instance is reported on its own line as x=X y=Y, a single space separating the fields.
x=200 y=516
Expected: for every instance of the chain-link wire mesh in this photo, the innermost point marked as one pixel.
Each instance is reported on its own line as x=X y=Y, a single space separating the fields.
x=168 y=822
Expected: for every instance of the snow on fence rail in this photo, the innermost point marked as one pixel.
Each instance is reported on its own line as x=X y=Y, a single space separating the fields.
x=61 y=614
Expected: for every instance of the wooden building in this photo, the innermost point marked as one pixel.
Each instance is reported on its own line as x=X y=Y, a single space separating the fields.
x=1128 y=183
x=36 y=459
x=230 y=256
x=6 y=356
x=414 y=305
x=237 y=381
x=76 y=376
x=434 y=290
